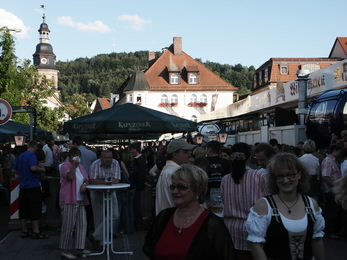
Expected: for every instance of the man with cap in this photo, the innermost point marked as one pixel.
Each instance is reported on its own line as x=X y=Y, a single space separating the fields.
x=178 y=153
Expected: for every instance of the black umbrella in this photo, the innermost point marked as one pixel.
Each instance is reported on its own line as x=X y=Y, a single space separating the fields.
x=127 y=121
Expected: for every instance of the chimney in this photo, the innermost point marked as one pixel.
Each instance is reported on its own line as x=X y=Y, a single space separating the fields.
x=151 y=56
x=177 y=45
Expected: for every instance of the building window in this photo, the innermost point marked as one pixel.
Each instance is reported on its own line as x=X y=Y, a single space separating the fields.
x=192 y=78
x=203 y=98
x=174 y=98
x=193 y=98
x=310 y=67
x=266 y=74
x=130 y=98
x=174 y=78
x=260 y=80
x=284 y=69
x=138 y=99
x=164 y=99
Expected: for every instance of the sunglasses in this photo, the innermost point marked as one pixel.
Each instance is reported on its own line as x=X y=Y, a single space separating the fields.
x=291 y=177
x=179 y=187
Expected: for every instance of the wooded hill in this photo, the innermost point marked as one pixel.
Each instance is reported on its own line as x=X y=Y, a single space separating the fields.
x=105 y=73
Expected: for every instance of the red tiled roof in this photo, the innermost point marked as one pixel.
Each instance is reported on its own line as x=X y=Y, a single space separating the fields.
x=342 y=42
x=158 y=76
x=102 y=104
x=293 y=66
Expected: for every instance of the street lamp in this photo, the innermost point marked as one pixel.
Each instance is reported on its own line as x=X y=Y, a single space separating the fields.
x=199 y=138
x=19 y=139
x=302 y=86
x=222 y=136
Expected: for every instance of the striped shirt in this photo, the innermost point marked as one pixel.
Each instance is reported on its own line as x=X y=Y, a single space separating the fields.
x=238 y=199
x=99 y=172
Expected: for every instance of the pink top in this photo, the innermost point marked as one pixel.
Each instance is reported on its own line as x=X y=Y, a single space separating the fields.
x=67 y=194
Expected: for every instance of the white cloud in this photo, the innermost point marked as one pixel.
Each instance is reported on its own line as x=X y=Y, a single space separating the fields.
x=136 y=22
x=12 y=21
x=96 y=26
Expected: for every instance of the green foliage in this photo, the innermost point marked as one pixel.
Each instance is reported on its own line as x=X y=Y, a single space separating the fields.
x=238 y=75
x=100 y=75
x=7 y=61
x=79 y=105
x=22 y=85
x=105 y=73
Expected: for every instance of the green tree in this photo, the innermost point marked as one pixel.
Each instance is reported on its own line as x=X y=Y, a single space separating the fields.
x=7 y=61
x=78 y=105
x=22 y=85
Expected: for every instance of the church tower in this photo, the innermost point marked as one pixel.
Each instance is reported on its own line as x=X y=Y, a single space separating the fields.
x=44 y=58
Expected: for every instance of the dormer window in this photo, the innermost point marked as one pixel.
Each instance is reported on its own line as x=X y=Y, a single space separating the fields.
x=192 y=78
x=310 y=67
x=174 y=78
x=284 y=69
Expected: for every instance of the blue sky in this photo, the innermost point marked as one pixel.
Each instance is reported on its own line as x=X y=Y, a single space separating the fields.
x=248 y=32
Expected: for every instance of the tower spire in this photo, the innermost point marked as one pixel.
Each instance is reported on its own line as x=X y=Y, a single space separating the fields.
x=43 y=13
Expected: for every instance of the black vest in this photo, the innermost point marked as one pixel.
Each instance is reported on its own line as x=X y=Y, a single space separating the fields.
x=276 y=246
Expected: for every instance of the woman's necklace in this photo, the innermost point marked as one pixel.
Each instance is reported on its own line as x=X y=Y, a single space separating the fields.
x=289 y=207
x=187 y=221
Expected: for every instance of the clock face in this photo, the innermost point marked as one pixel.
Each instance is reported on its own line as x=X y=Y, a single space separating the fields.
x=44 y=60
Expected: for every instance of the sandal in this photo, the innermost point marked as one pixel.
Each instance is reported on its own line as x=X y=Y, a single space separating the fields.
x=35 y=235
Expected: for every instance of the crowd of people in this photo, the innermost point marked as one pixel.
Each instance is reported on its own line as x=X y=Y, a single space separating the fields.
x=261 y=201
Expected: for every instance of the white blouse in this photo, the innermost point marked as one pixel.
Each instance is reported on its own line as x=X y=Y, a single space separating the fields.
x=79 y=182
x=257 y=225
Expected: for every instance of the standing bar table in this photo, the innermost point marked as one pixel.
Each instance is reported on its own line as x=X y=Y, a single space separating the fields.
x=107 y=206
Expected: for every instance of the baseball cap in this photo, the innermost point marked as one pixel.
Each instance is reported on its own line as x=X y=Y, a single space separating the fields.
x=179 y=144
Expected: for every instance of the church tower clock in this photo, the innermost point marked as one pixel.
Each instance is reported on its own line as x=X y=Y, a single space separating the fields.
x=44 y=58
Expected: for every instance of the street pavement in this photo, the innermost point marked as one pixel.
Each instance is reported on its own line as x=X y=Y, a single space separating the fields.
x=13 y=247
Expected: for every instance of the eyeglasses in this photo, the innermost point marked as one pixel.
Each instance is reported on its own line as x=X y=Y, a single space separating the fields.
x=179 y=187
x=290 y=177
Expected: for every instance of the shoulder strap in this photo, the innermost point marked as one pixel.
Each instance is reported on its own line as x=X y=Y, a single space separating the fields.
x=275 y=213
x=308 y=208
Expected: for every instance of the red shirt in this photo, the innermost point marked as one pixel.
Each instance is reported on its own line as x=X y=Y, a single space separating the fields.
x=174 y=245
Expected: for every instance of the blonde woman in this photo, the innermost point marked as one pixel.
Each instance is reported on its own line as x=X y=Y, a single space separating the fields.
x=287 y=224
x=188 y=231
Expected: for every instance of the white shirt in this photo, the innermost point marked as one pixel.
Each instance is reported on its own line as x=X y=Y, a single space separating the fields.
x=311 y=163
x=48 y=155
x=79 y=182
x=163 y=199
x=257 y=225
x=343 y=168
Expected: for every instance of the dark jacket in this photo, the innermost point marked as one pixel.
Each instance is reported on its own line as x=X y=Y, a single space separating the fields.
x=211 y=242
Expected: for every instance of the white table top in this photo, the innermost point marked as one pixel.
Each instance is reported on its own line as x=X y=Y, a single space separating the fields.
x=107 y=186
